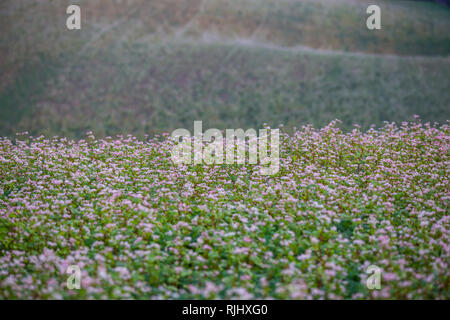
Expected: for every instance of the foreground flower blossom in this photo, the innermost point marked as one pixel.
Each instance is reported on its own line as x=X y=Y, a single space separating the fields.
x=140 y=227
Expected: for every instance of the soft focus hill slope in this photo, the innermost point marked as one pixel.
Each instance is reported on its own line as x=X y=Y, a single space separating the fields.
x=142 y=67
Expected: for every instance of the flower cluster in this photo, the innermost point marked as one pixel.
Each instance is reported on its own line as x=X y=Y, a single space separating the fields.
x=140 y=227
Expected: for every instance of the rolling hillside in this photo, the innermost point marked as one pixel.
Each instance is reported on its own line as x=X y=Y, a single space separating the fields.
x=149 y=66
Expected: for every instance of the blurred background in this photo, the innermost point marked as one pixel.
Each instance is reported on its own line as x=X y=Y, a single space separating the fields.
x=145 y=67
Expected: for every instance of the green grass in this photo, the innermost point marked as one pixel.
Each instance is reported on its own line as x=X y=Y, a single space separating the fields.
x=144 y=89
x=154 y=66
x=408 y=28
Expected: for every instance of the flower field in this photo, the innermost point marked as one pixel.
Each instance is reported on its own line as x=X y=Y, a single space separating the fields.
x=140 y=227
